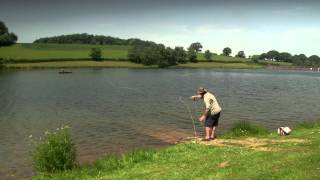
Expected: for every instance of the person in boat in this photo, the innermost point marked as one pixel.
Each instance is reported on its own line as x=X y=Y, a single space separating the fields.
x=211 y=114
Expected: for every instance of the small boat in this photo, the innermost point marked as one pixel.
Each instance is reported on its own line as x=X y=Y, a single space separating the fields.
x=64 y=72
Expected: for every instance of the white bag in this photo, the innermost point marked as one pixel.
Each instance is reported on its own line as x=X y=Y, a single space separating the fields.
x=284 y=131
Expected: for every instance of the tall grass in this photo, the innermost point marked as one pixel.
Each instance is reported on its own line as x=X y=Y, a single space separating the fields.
x=114 y=162
x=55 y=152
x=246 y=128
x=308 y=124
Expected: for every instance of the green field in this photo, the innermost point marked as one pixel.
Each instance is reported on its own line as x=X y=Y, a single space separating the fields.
x=69 y=56
x=269 y=156
x=56 y=52
x=60 y=52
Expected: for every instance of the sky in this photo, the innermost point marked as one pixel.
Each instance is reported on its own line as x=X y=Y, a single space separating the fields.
x=252 y=26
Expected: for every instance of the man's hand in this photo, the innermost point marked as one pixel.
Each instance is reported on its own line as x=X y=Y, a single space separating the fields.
x=202 y=118
x=195 y=97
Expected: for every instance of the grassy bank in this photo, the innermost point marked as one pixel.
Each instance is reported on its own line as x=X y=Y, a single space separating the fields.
x=43 y=52
x=122 y=64
x=269 y=156
x=76 y=64
x=221 y=65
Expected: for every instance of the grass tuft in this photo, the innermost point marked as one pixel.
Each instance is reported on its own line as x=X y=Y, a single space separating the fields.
x=246 y=128
x=308 y=124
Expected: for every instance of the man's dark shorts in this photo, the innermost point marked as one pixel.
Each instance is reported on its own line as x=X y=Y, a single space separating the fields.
x=212 y=120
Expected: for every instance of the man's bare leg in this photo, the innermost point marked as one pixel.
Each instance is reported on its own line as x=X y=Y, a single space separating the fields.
x=212 y=133
x=208 y=131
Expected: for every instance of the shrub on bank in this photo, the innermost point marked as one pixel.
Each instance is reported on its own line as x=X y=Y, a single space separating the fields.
x=96 y=54
x=55 y=151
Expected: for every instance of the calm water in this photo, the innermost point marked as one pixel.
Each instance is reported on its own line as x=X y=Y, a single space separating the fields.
x=114 y=110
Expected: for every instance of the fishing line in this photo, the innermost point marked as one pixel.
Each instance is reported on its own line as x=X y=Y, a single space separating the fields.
x=122 y=87
x=201 y=123
x=193 y=122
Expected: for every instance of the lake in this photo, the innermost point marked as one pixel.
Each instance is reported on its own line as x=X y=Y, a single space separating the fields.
x=116 y=110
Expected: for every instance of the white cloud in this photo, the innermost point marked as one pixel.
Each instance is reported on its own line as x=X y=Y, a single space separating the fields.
x=210 y=28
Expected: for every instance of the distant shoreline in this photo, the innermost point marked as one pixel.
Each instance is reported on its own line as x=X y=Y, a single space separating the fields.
x=124 y=64
x=75 y=64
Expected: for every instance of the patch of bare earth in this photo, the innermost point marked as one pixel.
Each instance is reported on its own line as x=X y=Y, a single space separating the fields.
x=224 y=164
x=251 y=143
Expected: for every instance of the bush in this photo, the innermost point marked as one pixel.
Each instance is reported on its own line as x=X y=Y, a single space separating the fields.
x=55 y=151
x=96 y=54
x=192 y=55
x=245 y=128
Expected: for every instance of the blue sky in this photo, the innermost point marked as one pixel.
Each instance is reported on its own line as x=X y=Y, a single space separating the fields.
x=252 y=26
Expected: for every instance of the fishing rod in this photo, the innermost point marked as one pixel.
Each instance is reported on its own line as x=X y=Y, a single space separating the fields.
x=191 y=116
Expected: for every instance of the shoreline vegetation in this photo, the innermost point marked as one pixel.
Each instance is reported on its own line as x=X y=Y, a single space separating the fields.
x=42 y=56
x=65 y=51
x=123 y=64
x=248 y=151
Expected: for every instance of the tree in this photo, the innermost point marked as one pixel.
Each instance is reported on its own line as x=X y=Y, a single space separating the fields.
x=299 y=59
x=263 y=56
x=196 y=46
x=241 y=54
x=286 y=57
x=180 y=55
x=85 y=38
x=226 y=51
x=156 y=54
x=273 y=55
x=314 y=60
x=207 y=54
x=96 y=54
x=192 y=55
x=6 y=38
x=255 y=58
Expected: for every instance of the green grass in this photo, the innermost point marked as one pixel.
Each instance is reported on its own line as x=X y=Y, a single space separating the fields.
x=76 y=64
x=221 y=65
x=28 y=52
x=223 y=59
x=289 y=160
x=275 y=63
x=44 y=53
x=121 y=64
x=247 y=128
x=55 y=52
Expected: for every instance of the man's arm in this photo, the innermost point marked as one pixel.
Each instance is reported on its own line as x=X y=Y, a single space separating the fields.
x=204 y=115
x=206 y=111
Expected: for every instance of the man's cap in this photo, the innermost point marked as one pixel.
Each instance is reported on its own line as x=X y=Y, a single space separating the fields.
x=202 y=90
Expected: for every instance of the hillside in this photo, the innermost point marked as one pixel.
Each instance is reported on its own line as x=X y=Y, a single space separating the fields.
x=27 y=51
x=57 y=52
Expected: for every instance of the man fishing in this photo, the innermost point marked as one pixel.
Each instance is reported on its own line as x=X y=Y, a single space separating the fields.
x=211 y=113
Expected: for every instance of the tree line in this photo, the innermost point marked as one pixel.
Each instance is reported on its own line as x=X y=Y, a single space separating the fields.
x=85 y=38
x=157 y=54
x=298 y=59
x=151 y=53
x=6 y=38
